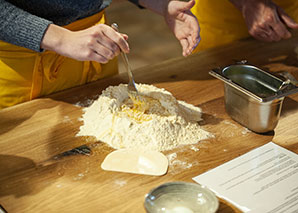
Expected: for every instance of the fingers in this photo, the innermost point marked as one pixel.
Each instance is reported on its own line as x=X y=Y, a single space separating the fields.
x=124 y=36
x=176 y=7
x=266 y=21
x=195 y=31
x=271 y=29
x=196 y=44
x=188 y=45
x=189 y=5
x=192 y=44
x=97 y=52
x=105 y=43
x=116 y=38
x=108 y=44
x=281 y=31
x=107 y=50
x=184 y=44
x=287 y=19
x=94 y=56
x=274 y=31
x=196 y=37
x=274 y=35
x=267 y=35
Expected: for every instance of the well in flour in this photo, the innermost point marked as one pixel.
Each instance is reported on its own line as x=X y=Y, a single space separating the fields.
x=154 y=120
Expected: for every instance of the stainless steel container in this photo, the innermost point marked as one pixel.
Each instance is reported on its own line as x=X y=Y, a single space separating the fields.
x=253 y=97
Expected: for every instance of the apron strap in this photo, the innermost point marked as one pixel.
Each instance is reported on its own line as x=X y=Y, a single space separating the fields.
x=37 y=77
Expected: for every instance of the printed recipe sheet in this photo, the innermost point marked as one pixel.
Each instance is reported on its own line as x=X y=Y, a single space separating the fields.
x=263 y=180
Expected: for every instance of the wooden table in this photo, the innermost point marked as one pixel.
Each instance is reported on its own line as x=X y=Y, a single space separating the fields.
x=36 y=177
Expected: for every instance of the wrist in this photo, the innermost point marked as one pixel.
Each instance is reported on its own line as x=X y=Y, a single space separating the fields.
x=158 y=6
x=53 y=38
x=165 y=6
x=239 y=4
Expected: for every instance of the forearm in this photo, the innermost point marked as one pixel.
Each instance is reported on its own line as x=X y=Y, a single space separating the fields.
x=53 y=37
x=238 y=3
x=157 y=6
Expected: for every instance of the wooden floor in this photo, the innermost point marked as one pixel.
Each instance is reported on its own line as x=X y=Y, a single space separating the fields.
x=150 y=39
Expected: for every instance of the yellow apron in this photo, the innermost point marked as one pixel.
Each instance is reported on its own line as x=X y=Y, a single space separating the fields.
x=222 y=23
x=26 y=74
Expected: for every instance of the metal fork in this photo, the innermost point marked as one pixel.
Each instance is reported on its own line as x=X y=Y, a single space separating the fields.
x=131 y=84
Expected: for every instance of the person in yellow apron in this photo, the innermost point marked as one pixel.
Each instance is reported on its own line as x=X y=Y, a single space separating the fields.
x=55 y=63
x=224 y=21
x=26 y=74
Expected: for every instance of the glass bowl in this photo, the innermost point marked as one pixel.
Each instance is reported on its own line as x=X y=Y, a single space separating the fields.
x=176 y=197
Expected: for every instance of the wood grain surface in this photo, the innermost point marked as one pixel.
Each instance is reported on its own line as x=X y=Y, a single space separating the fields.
x=38 y=175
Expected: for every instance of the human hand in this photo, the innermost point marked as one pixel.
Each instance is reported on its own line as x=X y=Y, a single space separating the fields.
x=265 y=20
x=183 y=24
x=99 y=43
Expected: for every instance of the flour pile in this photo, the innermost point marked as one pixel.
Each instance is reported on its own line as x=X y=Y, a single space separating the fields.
x=154 y=120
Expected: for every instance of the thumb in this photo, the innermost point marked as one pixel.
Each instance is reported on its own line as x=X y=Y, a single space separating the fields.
x=124 y=36
x=187 y=5
x=287 y=19
x=181 y=6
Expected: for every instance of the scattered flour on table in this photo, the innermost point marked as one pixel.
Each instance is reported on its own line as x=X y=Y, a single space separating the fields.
x=67 y=119
x=230 y=123
x=120 y=183
x=245 y=131
x=171 y=157
x=79 y=176
x=194 y=148
x=154 y=120
x=178 y=164
x=86 y=102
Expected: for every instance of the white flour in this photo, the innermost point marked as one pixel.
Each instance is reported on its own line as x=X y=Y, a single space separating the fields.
x=156 y=122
